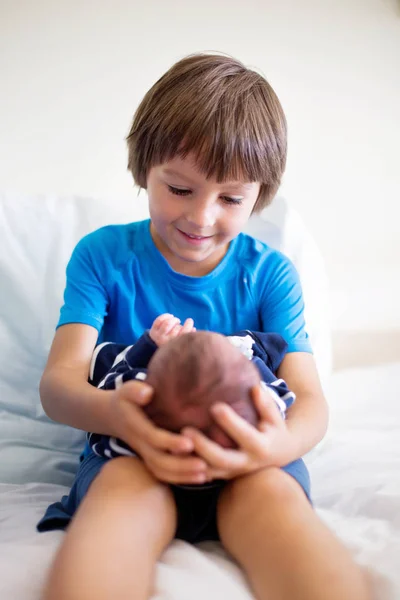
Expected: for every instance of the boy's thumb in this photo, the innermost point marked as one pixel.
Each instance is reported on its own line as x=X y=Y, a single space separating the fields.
x=139 y=392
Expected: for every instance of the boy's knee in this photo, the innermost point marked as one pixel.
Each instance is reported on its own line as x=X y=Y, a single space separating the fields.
x=259 y=500
x=130 y=475
x=262 y=489
x=133 y=493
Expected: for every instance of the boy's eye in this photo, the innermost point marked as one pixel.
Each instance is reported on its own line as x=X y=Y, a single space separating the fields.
x=233 y=201
x=186 y=192
x=178 y=191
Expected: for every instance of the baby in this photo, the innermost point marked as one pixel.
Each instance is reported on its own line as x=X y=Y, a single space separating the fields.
x=190 y=371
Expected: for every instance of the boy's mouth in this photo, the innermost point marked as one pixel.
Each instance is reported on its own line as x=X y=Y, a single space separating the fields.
x=192 y=238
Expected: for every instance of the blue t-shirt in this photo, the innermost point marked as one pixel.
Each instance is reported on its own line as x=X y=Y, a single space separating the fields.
x=119 y=282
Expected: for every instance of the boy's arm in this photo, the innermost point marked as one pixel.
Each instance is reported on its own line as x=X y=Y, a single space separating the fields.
x=307 y=418
x=66 y=394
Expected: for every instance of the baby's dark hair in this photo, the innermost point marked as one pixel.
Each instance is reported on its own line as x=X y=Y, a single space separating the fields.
x=226 y=114
x=193 y=372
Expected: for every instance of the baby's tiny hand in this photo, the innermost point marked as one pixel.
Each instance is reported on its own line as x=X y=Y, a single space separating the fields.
x=167 y=327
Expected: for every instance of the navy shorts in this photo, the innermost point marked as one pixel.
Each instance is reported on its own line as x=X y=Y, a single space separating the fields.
x=196 y=505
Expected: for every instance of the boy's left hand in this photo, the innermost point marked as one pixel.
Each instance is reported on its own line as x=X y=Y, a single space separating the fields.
x=270 y=444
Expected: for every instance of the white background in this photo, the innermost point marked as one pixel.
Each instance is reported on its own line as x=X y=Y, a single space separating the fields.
x=72 y=73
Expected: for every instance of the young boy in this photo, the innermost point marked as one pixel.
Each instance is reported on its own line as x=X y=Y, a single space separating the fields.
x=208 y=142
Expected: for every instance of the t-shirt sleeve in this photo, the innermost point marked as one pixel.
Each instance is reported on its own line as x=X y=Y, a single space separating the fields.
x=282 y=305
x=85 y=295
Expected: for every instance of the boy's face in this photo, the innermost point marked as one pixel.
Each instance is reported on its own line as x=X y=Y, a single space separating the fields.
x=194 y=218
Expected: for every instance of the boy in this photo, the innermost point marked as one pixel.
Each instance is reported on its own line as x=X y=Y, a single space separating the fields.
x=208 y=142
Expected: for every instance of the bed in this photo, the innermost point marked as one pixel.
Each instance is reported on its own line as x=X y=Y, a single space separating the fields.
x=355 y=470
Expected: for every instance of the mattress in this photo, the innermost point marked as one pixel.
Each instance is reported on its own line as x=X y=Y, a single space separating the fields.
x=356 y=489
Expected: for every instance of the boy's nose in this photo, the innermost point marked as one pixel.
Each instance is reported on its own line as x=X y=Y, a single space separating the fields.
x=202 y=215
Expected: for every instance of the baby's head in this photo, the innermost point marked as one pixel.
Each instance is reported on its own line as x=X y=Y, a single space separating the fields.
x=214 y=108
x=191 y=373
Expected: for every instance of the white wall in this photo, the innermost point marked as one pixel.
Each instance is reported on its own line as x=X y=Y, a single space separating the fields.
x=72 y=73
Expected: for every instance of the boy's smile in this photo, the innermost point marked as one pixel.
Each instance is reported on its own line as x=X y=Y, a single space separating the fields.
x=194 y=239
x=193 y=219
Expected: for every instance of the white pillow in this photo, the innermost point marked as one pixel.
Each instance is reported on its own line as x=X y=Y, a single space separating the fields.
x=37 y=235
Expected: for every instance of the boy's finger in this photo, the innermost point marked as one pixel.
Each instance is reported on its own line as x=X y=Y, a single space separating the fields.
x=265 y=404
x=137 y=391
x=215 y=455
x=243 y=433
x=165 y=440
x=178 y=465
x=154 y=436
x=175 y=469
x=213 y=473
x=188 y=479
x=179 y=479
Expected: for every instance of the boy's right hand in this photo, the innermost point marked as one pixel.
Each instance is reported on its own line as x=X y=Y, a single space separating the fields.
x=167 y=327
x=165 y=454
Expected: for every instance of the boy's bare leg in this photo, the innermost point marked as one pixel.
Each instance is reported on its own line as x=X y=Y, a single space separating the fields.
x=269 y=527
x=122 y=526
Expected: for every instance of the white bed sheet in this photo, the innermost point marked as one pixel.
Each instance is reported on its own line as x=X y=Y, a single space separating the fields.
x=356 y=489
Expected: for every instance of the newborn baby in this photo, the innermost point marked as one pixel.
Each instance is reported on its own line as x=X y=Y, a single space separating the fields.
x=190 y=371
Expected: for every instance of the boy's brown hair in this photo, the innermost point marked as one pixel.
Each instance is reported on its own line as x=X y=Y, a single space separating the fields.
x=226 y=114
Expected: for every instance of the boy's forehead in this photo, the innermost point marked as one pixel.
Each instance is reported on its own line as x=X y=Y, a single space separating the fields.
x=188 y=170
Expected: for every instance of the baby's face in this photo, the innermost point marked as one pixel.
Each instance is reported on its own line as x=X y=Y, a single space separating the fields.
x=194 y=372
